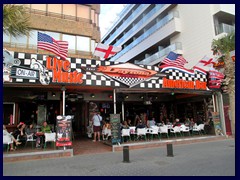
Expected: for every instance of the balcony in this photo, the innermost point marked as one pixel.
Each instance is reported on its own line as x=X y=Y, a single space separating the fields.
x=166 y=27
x=224 y=28
x=157 y=57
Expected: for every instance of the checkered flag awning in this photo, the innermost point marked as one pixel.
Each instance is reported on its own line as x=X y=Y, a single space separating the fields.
x=96 y=78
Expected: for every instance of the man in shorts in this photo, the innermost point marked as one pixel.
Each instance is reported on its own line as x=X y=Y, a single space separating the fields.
x=96 y=119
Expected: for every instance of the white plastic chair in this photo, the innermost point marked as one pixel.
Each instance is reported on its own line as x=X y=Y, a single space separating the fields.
x=163 y=130
x=201 y=127
x=107 y=132
x=49 y=137
x=132 y=132
x=126 y=133
x=7 y=140
x=154 y=131
x=30 y=139
x=141 y=132
x=176 y=130
x=196 y=128
x=185 y=129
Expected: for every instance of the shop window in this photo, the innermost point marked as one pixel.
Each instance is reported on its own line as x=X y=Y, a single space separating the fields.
x=8 y=113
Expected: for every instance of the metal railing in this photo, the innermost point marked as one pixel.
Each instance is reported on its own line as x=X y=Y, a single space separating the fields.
x=58 y=15
x=161 y=53
x=224 y=28
x=145 y=35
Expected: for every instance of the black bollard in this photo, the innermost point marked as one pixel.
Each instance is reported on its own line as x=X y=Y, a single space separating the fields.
x=126 y=154
x=169 y=150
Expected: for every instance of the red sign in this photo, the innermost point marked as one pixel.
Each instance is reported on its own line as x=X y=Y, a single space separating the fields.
x=61 y=74
x=182 y=84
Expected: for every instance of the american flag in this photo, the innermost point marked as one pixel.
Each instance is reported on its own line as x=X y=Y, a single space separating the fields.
x=174 y=59
x=46 y=42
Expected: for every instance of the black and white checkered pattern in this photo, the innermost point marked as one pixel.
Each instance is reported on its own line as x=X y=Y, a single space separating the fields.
x=200 y=76
x=99 y=79
x=175 y=74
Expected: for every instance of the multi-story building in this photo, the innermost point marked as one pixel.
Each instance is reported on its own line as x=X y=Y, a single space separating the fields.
x=80 y=85
x=148 y=32
x=76 y=23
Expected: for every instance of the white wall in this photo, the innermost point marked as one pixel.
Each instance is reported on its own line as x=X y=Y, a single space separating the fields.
x=197 y=32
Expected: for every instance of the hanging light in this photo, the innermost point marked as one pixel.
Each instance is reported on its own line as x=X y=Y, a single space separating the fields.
x=92 y=95
x=53 y=94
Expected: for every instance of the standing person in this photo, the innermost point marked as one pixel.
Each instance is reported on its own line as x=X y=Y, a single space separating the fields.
x=96 y=119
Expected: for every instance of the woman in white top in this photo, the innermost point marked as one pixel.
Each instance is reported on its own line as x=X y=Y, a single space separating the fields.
x=10 y=138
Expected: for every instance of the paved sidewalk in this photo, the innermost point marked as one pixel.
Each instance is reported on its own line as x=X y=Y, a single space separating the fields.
x=199 y=159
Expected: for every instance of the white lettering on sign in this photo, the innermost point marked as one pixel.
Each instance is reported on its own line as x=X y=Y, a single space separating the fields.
x=26 y=73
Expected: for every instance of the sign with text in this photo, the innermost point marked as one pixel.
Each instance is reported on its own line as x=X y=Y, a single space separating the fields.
x=24 y=72
x=217 y=123
x=116 y=131
x=64 y=131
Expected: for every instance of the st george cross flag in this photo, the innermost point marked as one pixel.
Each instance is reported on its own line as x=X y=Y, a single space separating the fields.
x=206 y=62
x=106 y=51
x=174 y=59
x=46 y=42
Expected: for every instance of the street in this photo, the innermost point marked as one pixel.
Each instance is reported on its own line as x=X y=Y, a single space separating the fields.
x=197 y=159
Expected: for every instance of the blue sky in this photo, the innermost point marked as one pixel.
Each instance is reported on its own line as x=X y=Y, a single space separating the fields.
x=108 y=15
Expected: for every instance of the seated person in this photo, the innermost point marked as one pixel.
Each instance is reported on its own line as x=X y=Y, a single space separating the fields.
x=187 y=122
x=177 y=123
x=46 y=128
x=125 y=125
x=151 y=123
x=31 y=131
x=106 y=130
x=129 y=122
x=19 y=133
x=140 y=124
x=11 y=138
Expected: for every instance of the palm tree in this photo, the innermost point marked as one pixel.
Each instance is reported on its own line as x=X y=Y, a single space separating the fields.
x=222 y=48
x=15 y=20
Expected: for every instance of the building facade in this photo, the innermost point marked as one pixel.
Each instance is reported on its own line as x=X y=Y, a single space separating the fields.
x=124 y=85
x=148 y=32
x=76 y=23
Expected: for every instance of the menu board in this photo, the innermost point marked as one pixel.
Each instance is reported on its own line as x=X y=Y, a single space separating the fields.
x=64 y=131
x=217 y=123
x=116 y=131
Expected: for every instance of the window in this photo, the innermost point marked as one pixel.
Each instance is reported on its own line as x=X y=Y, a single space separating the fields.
x=8 y=113
x=20 y=40
x=83 y=43
x=71 y=41
x=69 y=9
x=6 y=38
x=83 y=11
x=33 y=38
x=54 y=35
x=93 y=45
